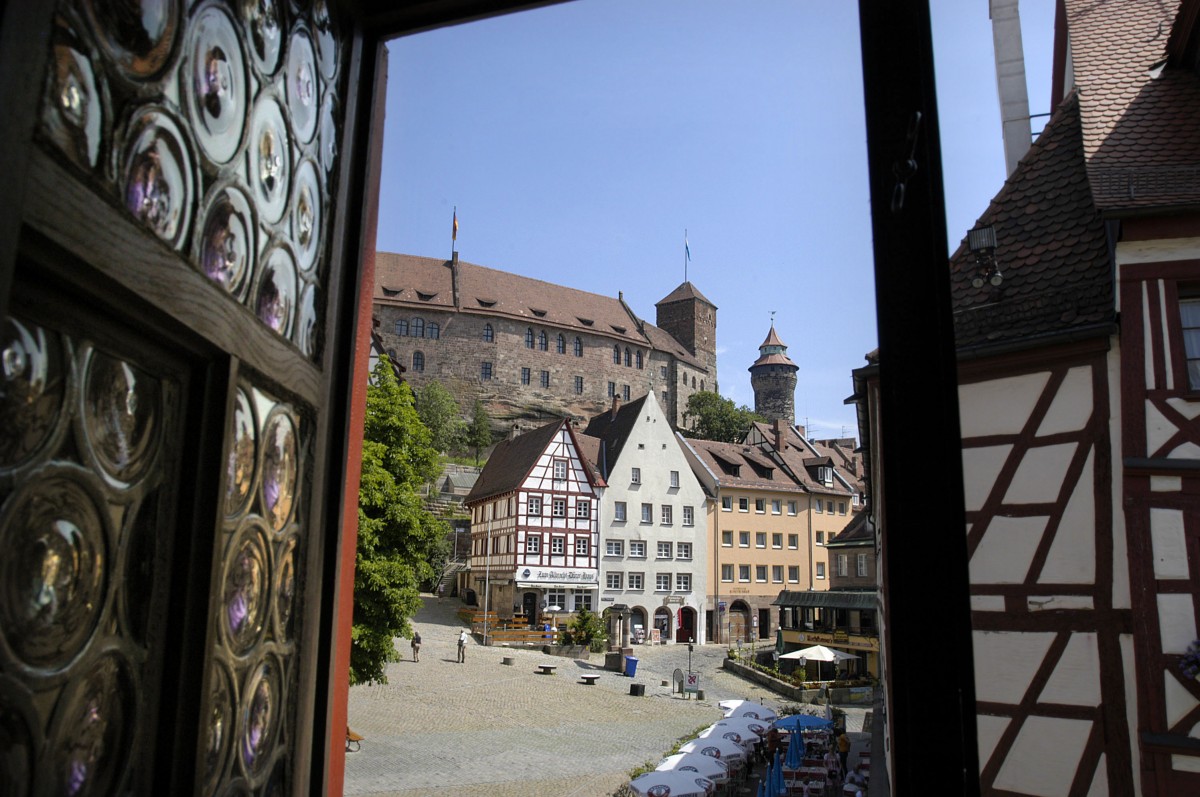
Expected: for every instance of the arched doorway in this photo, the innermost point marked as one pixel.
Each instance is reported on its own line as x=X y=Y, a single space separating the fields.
x=637 y=625
x=663 y=622
x=687 y=625
x=739 y=622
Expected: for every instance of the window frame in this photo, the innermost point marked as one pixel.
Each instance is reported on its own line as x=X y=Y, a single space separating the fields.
x=647 y=513
x=637 y=549
x=418 y=362
x=545 y=379
x=666 y=515
x=743 y=539
x=525 y=376
x=674 y=479
x=533 y=506
x=635 y=581
x=418 y=327
x=583 y=509
x=583 y=546
x=727 y=534
x=660 y=579
x=489 y=333
x=619 y=511
x=614 y=547
x=635 y=475
x=663 y=549
x=485 y=371
x=683 y=582
x=558 y=545
x=683 y=550
x=558 y=507
x=533 y=543
x=689 y=515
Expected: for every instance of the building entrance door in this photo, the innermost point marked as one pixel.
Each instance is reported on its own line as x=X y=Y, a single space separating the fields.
x=529 y=607
x=687 y=624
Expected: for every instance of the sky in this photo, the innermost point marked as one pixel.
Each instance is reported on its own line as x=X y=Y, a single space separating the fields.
x=579 y=142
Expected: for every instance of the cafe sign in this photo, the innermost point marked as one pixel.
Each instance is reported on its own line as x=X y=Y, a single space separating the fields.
x=556 y=576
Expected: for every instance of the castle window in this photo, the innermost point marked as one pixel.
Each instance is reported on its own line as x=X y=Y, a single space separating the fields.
x=579 y=385
x=489 y=334
x=701 y=384
x=662 y=371
x=639 y=360
x=418 y=362
x=435 y=331
x=560 y=345
x=542 y=341
x=402 y=328
x=685 y=380
x=485 y=371
x=529 y=338
x=693 y=383
x=666 y=398
x=545 y=379
x=524 y=376
x=612 y=389
x=625 y=392
x=578 y=347
x=616 y=355
x=628 y=358
x=418 y=327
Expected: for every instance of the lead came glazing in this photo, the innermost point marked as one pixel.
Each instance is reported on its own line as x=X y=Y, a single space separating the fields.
x=279 y=469
x=227 y=243
x=246 y=590
x=139 y=35
x=243 y=453
x=275 y=303
x=157 y=177
x=96 y=725
x=258 y=715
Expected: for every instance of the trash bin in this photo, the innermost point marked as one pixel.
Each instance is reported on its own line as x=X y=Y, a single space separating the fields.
x=637 y=690
x=631 y=665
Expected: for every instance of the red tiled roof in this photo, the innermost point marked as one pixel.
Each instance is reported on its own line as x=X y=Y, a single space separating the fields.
x=685 y=291
x=774 y=359
x=772 y=339
x=412 y=281
x=712 y=453
x=1141 y=134
x=511 y=461
x=1051 y=248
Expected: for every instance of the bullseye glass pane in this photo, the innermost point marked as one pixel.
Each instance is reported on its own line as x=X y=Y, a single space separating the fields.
x=121 y=414
x=32 y=384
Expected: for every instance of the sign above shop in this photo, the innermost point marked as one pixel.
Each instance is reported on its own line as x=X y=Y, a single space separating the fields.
x=556 y=576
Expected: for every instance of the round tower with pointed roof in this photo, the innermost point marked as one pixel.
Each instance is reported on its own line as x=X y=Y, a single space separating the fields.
x=773 y=377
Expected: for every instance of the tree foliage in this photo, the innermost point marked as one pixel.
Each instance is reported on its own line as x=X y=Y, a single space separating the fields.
x=585 y=628
x=439 y=412
x=479 y=433
x=398 y=539
x=709 y=416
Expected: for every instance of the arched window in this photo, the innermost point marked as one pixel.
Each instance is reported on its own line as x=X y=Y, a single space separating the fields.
x=685 y=380
x=578 y=347
x=542 y=341
x=418 y=327
x=628 y=358
x=402 y=328
x=435 y=332
x=639 y=360
x=693 y=383
x=489 y=334
x=701 y=384
x=616 y=355
x=418 y=362
x=561 y=345
x=528 y=338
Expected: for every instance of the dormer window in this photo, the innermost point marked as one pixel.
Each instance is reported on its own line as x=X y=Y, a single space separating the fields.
x=486 y=302
x=825 y=474
x=538 y=313
x=425 y=297
x=587 y=322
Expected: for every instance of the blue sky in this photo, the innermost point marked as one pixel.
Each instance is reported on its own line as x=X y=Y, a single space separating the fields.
x=579 y=141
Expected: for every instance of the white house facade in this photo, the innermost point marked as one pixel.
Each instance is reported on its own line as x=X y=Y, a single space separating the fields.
x=653 y=552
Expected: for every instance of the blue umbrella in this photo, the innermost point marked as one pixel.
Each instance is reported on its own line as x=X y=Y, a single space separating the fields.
x=762 y=789
x=795 y=753
x=802 y=721
x=780 y=786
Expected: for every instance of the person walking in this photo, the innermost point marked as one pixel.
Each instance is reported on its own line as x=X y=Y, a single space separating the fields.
x=843 y=744
x=462 y=647
x=441 y=590
x=416 y=645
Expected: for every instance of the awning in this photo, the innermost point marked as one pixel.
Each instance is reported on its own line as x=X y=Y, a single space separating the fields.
x=828 y=599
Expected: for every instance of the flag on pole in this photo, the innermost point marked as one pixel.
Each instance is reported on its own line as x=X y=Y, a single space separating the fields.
x=687 y=251
x=454 y=232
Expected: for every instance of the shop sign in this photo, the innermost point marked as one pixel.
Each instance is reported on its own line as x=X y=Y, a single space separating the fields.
x=557 y=576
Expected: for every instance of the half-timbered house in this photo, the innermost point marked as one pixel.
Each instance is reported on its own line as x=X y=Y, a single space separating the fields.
x=1079 y=393
x=535 y=527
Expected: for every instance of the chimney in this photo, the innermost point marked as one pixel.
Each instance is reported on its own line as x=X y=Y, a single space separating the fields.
x=1010 y=81
x=616 y=405
x=778 y=429
x=515 y=432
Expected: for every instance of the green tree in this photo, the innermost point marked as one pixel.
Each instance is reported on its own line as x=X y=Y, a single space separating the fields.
x=479 y=433
x=585 y=628
x=398 y=538
x=709 y=416
x=439 y=412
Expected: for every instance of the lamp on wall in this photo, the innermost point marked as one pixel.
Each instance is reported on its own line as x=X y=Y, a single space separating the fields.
x=982 y=243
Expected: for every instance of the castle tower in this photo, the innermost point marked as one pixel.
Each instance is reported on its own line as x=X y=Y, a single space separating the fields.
x=773 y=378
x=692 y=320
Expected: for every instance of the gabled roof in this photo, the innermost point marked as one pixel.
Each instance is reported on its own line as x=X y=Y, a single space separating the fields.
x=795 y=455
x=511 y=461
x=1051 y=248
x=411 y=281
x=712 y=453
x=859 y=531
x=612 y=432
x=684 y=292
x=1141 y=134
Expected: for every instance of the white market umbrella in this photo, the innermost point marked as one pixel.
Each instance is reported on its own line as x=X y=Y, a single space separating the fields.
x=717 y=747
x=743 y=739
x=746 y=725
x=818 y=653
x=673 y=783
x=705 y=766
x=752 y=710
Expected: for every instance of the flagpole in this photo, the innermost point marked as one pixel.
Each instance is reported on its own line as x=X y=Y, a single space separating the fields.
x=454 y=233
x=685 y=254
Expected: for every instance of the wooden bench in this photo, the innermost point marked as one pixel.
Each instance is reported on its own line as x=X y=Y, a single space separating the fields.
x=590 y=680
x=547 y=669
x=353 y=741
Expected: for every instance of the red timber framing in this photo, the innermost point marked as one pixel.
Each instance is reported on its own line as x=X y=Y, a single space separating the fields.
x=64 y=241
x=1088 y=476
x=1161 y=449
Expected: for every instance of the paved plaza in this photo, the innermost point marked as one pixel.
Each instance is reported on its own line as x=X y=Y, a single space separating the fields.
x=483 y=728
